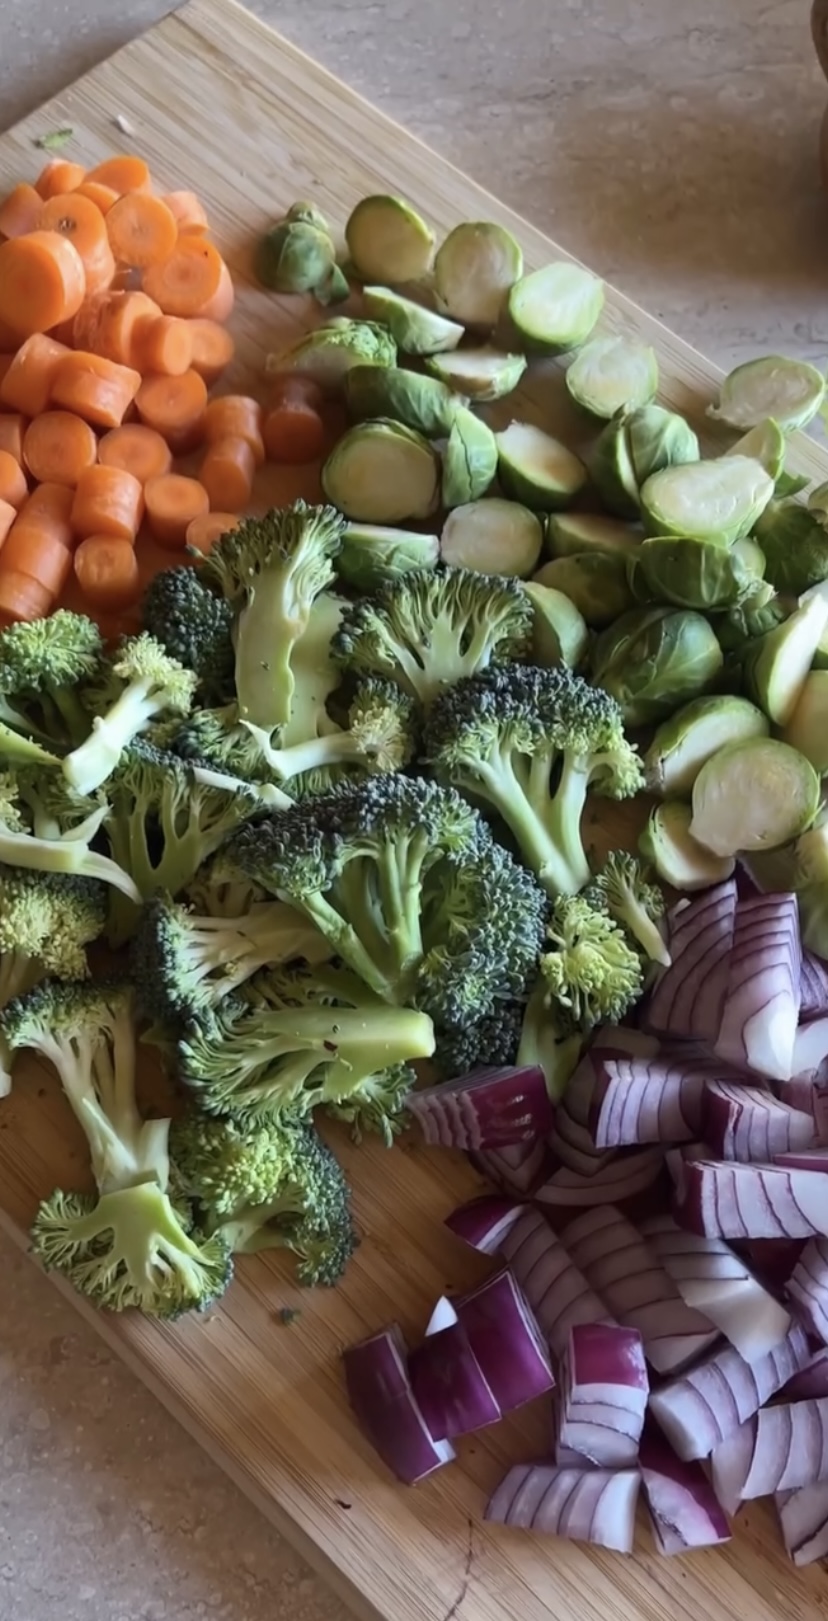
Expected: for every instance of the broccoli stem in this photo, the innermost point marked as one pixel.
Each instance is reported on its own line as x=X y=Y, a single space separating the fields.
x=542 y=1043
x=568 y=869
x=72 y=712
x=95 y=759
x=66 y=853
x=644 y=929
x=347 y=943
x=146 y=1238
x=548 y=830
x=265 y=639
x=336 y=748
x=22 y=750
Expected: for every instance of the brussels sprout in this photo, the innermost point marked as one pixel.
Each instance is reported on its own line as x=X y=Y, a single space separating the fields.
x=776 y=665
x=305 y=213
x=559 y=633
x=753 y=795
x=329 y=352
x=595 y=582
x=818 y=502
x=807 y=729
x=537 y=469
x=556 y=308
x=765 y=443
x=652 y=659
x=685 y=742
x=573 y=532
x=482 y=374
x=795 y=546
x=370 y=555
x=678 y=858
x=401 y=396
x=492 y=537
x=634 y=445
x=763 y=611
x=415 y=330
x=474 y=269
x=710 y=500
x=790 y=391
x=800 y=866
x=382 y=473
x=388 y=241
x=613 y=374
x=697 y=573
x=295 y=258
x=469 y=460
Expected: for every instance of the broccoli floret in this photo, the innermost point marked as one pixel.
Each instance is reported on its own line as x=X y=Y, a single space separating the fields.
x=271 y=569
x=184 y=965
x=212 y=896
x=44 y=665
x=141 y=685
x=590 y=968
x=46 y=922
x=379 y=736
x=530 y=744
x=625 y=890
x=44 y=827
x=194 y=625
x=490 y=1042
x=427 y=630
x=217 y=738
x=127 y=1247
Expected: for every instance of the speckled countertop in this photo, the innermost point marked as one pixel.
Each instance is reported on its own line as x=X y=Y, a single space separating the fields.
x=673 y=148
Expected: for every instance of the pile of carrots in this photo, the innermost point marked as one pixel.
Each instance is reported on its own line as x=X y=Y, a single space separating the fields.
x=113 y=311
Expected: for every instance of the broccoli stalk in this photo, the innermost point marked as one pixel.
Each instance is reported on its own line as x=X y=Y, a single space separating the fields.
x=623 y=890
x=547 y=1039
x=379 y=737
x=142 y=684
x=51 y=838
x=43 y=665
x=530 y=743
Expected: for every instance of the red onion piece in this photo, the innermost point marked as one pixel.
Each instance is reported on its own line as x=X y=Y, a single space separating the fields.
x=713 y=1278
x=618 y=1264
x=778 y=1450
x=688 y=998
x=804 y=1159
x=807 y=1288
x=571 y=1146
x=728 y=1200
x=812 y=1380
x=584 y=1505
x=729 y=1465
x=749 y=1124
x=519 y=1169
x=810 y=1046
x=507 y=1341
x=813 y=987
x=706 y=1405
x=449 y=1385
x=623 y=1177
x=803 y=1519
x=559 y=1295
x=484 y=1223
x=492 y=1108
x=603 y=1394
x=684 y=1509
x=637 y=1100
x=380 y=1394
x=761 y=1011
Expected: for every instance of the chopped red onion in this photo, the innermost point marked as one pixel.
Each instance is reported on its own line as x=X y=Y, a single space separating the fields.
x=761 y=1010
x=683 y=1506
x=749 y=1124
x=484 y=1223
x=807 y=1288
x=713 y=1278
x=519 y=1169
x=557 y=1292
x=507 y=1341
x=584 y=1505
x=571 y=1145
x=812 y=1380
x=729 y=1200
x=380 y=1394
x=449 y=1385
x=707 y=1404
x=688 y=998
x=779 y=1449
x=813 y=987
x=803 y=1519
x=639 y=1100
x=623 y=1177
x=804 y=1159
x=729 y=1464
x=618 y=1264
x=490 y=1109
x=603 y=1394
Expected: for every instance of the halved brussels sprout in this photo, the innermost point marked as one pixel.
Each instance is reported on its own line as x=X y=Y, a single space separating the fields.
x=294 y=257
x=790 y=391
x=371 y=555
x=776 y=665
x=492 y=537
x=415 y=330
x=613 y=374
x=559 y=632
x=469 y=460
x=568 y=533
x=807 y=729
x=595 y=582
x=765 y=443
x=653 y=659
x=388 y=240
x=634 y=445
x=481 y=374
x=474 y=269
x=556 y=308
x=753 y=795
x=332 y=349
x=420 y=402
x=685 y=742
x=677 y=856
x=382 y=473
x=795 y=545
x=537 y=469
x=697 y=573
x=711 y=500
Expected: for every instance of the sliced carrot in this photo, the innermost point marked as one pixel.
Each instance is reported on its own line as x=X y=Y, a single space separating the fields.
x=59 y=175
x=42 y=282
x=172 y=503
x=165 y=345
x=27 y=385
x=39 y=554
x=202 y=533
x=5 y=362
x=175 y=407
x=124 y=173
x=188 y=279
x=136 y=449
x=20 y=210
x=12 y=428
x=114 y=324
x=8 y=513
x=107 y=572
x=13 y=486
x=22 y=598
x=142 y=230
x=108 y=501
x=78 y=219
x=102 y=196
x=213 y=348
x=49 y=510
x=187 y=211
x=227 y=473
x=59 y=447
x=294 y=433
x=99 y=390
x=220 y=306
x=235 y=416
x=294 y=385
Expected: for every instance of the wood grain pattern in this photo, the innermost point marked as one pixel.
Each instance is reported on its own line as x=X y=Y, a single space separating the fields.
x=218 y=102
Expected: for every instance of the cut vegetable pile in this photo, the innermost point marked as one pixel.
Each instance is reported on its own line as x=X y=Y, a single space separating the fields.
x=324 y=784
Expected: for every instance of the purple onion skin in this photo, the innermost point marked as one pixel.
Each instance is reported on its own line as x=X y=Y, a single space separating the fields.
x=381 y=1398
x=449 y=1385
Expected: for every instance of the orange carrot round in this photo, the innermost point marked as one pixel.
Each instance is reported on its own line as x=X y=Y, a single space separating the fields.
x=49 y=508
x=108 y=501
x=114 y=325
x=27 y=385
x=213 y=348
x=12 y=428
x=124 y=173
x=203 y=532
x=13 y=486
x=107 y=572
x=59 y=447
x=166 y=346
x=188 y=279
x=220 y=306
x=20 y=210
x=59 y=175
x=37 y=553
x=42 y=281
x=173 y=501
x=102 y=196
x=99 y=390
x=142 y=230
x=78 y=219
x=294 y=433
x=227 y=473
x=187 y=211
x=8 y=513
x=136 y=449
x=22 y=598
x=235 y=416
x=175 y=407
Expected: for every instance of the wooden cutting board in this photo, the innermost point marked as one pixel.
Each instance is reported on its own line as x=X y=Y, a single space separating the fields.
x=216 y=101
